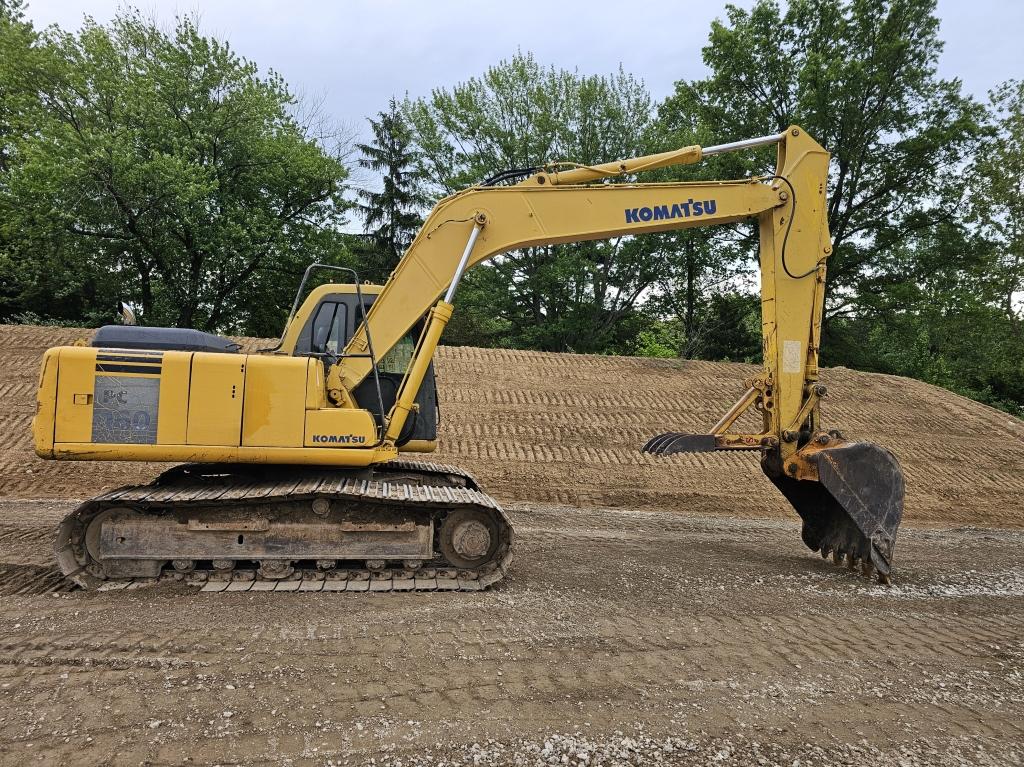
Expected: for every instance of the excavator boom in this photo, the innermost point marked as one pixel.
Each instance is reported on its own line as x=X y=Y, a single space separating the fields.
x=850 y=495
x=350 y=383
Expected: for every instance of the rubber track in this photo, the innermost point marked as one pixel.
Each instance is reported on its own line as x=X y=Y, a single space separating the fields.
x=235 y=490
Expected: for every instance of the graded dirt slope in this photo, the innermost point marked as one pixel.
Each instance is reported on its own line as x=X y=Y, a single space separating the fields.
x=566 y=429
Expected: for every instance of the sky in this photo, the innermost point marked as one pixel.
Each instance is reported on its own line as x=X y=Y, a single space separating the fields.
x=353 y=55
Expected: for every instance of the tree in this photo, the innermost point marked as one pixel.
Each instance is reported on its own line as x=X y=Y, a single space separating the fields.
x=520 y=115
x=391 y=216
x=17 y=38
x=165 y=168
x=26 y=290
x=933 y=312
x=997 y=197
x=706 y=268
x=860 y=76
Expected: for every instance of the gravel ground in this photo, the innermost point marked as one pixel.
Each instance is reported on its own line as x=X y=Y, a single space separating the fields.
x=621 y=637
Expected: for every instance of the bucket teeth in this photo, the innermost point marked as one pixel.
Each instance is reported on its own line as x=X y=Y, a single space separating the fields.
x=679 y=442
x=850 y=499
x=854 y=561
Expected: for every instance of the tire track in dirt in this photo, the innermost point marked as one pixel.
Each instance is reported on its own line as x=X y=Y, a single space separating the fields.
x=622 y=651
x=684 y=624
x=30 y=579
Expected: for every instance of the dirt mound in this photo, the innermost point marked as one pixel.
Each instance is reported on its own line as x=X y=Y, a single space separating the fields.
x=566 y=429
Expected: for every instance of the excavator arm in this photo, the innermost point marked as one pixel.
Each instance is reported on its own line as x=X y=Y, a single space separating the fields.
x=849 y=494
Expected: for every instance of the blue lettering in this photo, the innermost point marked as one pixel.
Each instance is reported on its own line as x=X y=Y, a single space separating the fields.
x=678 y=210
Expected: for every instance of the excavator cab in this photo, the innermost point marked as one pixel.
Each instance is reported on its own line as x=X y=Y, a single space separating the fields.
x=323 y=325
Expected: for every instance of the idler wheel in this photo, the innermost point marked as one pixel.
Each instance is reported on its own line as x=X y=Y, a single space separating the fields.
x=468 y=538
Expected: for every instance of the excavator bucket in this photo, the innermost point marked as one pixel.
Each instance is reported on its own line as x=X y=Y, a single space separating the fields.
x=853 y=509
x=848 y=494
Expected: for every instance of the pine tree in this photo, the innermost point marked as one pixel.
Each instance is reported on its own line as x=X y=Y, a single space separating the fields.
x=391 y=216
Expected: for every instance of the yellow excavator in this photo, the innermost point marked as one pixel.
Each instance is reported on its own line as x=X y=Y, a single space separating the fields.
x=290 y=473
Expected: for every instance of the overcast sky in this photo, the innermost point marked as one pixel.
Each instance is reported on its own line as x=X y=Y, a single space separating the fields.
x=355 y=54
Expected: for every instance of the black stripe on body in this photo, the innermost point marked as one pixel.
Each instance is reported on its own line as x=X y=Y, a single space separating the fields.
x=108 y=368
x=101 y=357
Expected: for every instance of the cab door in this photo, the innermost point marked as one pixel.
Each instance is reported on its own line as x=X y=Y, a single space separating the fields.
x=326 y=333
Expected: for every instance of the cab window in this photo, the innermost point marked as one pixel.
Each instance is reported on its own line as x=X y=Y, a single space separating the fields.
x=328 y=336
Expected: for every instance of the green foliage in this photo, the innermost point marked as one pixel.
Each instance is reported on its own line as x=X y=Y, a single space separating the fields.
x=701 y=263
x=732 y=330
x=942 y=321
x=997 y=197
x=974 y=352
x=727 y=328
x=391 y=216
x=662 y=339
x=521 y=115
x=859 y=76
x=17 y=41
x=169 y=173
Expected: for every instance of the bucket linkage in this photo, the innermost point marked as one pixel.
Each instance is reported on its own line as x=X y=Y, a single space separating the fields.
x=848 y=494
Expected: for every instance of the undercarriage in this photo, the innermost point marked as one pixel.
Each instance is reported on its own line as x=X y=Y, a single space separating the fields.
x=403 y=525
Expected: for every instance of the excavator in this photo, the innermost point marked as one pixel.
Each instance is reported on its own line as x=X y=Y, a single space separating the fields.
x=295 y=464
